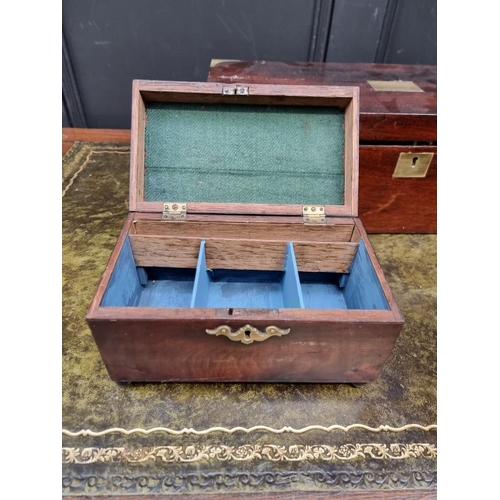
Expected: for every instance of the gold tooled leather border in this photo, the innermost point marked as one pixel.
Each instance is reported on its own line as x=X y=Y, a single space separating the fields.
x=249 y=452
x=248 y=430
x=87 y=152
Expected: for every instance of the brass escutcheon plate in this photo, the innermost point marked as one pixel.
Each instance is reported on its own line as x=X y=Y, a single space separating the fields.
x=393 y=86
x=248 y=334
x=413 y=164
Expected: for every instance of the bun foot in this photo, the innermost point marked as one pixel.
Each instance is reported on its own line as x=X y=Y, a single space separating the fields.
x=122 y=383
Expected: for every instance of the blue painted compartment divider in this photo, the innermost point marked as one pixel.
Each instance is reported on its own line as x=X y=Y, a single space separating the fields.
x=292 y=292
x=363 y=289
x=132 y=286
x=201 y=281
x=124 y=288
x=247 y=289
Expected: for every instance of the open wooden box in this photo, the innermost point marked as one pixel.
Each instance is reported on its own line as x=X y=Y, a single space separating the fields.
x=242 y=258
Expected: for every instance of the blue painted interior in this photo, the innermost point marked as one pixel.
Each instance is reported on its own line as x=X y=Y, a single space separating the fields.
x=343 y=279
x=167 y=287
x=247 y=289
x=292 y=292
x=166 y=293
x=143 y=276
x=124 y=288
x=363 y=289
x=322 y=291
x=132 y=286
x=256 y=295
x=202 y=281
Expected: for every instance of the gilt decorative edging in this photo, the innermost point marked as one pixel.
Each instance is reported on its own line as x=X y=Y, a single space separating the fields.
x=247 y=430
x=248 y=452
x=89 y=151
x=86 y=484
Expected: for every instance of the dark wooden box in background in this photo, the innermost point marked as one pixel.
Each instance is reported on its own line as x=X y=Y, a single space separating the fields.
x=397 y=124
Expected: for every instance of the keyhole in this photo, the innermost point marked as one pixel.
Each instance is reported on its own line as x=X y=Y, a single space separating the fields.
x=247 y=334
x=414 y=162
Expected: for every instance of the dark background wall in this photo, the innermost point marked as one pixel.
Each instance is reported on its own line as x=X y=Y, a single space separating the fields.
x=108 y=43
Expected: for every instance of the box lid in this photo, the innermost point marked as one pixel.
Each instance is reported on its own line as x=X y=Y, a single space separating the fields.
x=244 y=149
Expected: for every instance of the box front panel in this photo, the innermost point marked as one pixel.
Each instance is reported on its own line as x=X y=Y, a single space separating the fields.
x=293 y=351
x=390 y=204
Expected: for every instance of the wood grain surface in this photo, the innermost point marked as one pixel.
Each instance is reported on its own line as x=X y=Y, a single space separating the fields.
x=396 y=205
x=72 y=135
x=384 y=116
x=324 y=257
x=326 y=345
x=145 y=91
x=151 y=251
x=182 y=351
x=137 y=137
x=248 y=229
x=243 y=254
x=387 y=120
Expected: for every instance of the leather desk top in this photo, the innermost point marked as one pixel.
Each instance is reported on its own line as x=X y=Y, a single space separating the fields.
x=231 y=439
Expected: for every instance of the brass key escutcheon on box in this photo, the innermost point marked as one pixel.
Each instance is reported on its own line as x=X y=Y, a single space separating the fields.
x=393 y=86
x=248 y=334
x=413 y=164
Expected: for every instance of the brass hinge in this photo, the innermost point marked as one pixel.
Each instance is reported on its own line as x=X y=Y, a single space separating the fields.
x=235 y=90
x=174 y=211
x=314 y=214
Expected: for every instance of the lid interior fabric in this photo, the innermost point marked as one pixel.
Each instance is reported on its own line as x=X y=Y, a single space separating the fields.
x=227 y=153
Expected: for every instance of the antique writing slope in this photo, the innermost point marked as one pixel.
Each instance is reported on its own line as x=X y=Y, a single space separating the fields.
x=242 y=258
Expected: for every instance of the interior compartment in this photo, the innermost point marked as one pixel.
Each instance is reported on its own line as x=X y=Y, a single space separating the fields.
x=247 y=289
x=134 y=286
x=359 y=288
x=322 y=290
x=244 y=274
x=229 y=288
x=166 y=287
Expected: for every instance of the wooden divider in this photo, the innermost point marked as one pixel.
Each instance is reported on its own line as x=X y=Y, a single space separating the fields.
x=245 y=274
x=155 y=251
x=341 y=230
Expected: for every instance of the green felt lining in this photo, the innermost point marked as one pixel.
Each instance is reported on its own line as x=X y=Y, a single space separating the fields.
x=226 y=153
